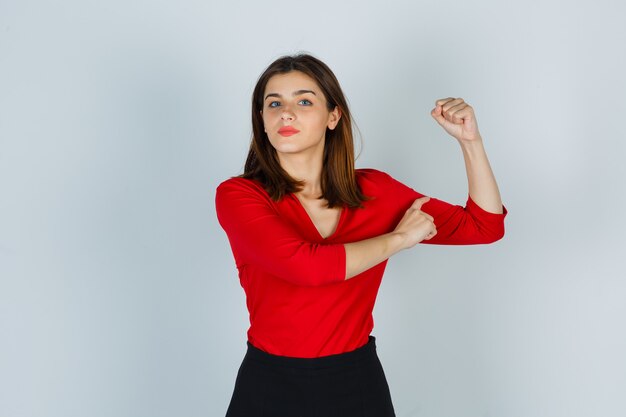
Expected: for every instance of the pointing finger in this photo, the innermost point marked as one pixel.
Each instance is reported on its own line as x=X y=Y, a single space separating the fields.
x=417 y=204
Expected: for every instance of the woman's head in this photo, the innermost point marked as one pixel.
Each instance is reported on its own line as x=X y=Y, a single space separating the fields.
x=338 y=178
x=296 y=118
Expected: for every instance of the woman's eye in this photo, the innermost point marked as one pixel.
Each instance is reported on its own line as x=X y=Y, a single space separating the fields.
x=274 y=104
x=305 y=102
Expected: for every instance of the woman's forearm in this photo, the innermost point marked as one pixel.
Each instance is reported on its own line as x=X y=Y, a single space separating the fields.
x=362 y=255
x=482 y=185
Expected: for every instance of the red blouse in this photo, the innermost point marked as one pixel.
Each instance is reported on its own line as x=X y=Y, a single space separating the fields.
x=299 y=302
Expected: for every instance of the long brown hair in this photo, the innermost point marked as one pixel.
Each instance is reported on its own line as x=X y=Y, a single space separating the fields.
x=339 y=186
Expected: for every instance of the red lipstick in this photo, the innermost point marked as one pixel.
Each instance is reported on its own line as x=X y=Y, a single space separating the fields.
x=287 y=131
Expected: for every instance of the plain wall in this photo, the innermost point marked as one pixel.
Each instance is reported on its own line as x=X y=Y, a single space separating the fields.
x=118 y=291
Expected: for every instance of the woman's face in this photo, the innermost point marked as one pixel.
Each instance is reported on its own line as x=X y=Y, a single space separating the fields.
x=295 y=115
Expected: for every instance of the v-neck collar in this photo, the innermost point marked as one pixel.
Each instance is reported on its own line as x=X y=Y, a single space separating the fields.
x=310 y=223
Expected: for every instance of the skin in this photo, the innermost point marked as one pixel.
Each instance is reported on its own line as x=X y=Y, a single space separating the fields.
x=287 y=104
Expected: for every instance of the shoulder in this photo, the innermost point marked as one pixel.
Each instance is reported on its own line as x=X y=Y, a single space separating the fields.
x=235 y=188
x=240 y=183
x=372 y=179
x=374 y=183
x=379 y=184
x=371 y=175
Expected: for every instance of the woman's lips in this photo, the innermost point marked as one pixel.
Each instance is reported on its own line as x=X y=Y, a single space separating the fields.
x=287 y=131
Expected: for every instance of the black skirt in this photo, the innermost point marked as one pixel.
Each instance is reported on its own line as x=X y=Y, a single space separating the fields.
x=350 y=384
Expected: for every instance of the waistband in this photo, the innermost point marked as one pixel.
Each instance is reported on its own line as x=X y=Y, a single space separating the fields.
x=366 y=351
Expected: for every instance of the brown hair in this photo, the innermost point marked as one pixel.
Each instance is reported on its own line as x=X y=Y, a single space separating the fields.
x=339 y=186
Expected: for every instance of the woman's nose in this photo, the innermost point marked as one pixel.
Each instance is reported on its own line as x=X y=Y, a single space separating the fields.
x=287 y=115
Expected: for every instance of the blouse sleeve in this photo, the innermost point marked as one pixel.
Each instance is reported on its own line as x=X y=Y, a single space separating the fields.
x=456 y=225
x=259 y=236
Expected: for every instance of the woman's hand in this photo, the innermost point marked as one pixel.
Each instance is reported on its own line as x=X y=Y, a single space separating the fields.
x=457 y=118
x=416 y=225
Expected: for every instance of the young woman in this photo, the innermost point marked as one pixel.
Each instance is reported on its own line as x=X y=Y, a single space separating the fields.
x=311 y=236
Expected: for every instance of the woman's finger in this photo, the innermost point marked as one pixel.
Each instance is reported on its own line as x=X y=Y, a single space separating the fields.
x=442 y=101
x=451 y=103
x=417 y=204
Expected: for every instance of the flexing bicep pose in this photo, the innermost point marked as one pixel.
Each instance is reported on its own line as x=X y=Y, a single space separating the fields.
x=311 y=236
x=458 y=119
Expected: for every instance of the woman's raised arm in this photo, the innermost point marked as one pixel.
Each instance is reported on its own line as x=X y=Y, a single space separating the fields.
x=458 y=119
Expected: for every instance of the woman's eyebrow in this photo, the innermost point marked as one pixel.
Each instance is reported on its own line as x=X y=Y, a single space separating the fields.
x=300 y=92
x=295 y=93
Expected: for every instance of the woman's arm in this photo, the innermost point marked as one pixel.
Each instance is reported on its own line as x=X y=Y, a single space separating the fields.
x=458 y=226
x=259 y=236
x=458 y=119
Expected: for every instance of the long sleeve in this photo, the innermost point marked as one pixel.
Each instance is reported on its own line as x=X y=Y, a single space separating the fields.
x=259 y=236
x=456 y=225
x=467 y=225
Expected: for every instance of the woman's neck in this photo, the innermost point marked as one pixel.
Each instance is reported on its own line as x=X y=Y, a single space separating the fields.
x=306 y=169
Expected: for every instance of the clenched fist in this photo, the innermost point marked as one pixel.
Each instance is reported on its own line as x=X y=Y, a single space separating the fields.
x=457 y=118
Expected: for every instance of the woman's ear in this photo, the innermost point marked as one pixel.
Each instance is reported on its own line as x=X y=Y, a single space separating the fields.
x=333 y=118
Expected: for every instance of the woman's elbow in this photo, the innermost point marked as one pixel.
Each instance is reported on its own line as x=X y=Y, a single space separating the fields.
x=493 y=236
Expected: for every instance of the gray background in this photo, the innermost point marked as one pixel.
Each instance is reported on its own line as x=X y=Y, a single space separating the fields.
x=118 y=291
